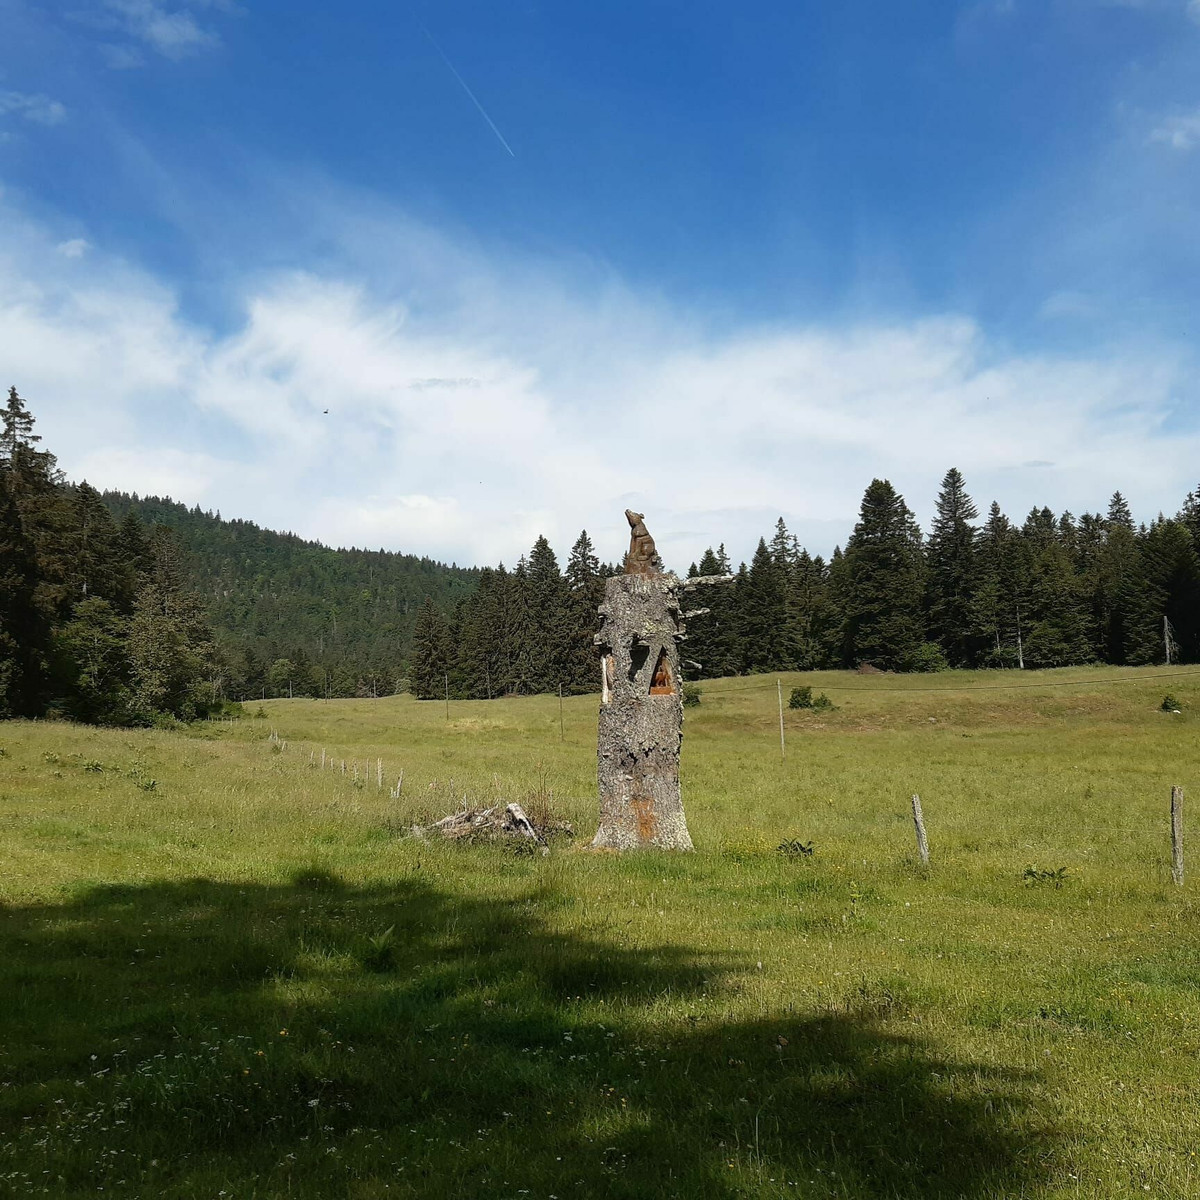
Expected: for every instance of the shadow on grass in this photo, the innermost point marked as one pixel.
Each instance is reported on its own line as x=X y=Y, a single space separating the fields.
x=202 y=1038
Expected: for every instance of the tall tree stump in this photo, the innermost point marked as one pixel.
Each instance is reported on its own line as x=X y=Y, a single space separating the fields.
x=641 y=701
x=641 y=715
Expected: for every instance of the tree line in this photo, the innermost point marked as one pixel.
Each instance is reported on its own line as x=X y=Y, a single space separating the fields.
x=1052 y=591
x=96 y=622
x=123 y=609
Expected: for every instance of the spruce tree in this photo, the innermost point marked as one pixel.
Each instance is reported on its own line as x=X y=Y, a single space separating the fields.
x=1056 y=631
x=995 y=611
x=763 y=606
x=952 y=571
x=585 y=588
x=885 y=578
x=24 y=634
x=17 y=430
x=1169 y=571
x=520 y=633
x=94 y=547
x=35 y=487
x=549 y=636
x=810 y=612
x=1121 y=583
x=430 y=652
x=171 y=650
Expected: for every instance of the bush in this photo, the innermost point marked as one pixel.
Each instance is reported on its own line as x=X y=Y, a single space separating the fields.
x=925 y=658
x=1170 y=704
x=822 y=703
x=691 y=695
x=801 y=697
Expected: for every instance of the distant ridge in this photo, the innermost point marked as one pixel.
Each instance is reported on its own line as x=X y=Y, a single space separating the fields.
x=347 y=615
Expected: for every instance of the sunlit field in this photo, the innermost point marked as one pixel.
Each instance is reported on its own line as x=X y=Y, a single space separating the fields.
x=227 y=971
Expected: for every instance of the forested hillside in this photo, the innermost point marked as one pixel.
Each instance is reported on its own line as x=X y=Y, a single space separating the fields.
x=296 y=615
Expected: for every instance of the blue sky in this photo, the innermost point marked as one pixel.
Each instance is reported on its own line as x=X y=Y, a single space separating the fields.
x=718 y=262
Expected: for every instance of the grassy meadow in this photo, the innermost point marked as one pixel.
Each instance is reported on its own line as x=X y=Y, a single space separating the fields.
x=225 y=972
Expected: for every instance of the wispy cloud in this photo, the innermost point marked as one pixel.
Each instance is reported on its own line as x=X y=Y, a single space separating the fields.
x=170 y=30
x=717 y=430
x=39 y=109
x=1180 y=132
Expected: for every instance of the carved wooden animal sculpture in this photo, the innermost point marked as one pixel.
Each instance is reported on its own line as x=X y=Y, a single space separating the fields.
x=642 y=558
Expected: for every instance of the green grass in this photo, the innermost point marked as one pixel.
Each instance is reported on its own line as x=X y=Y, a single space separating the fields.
x=224 y=971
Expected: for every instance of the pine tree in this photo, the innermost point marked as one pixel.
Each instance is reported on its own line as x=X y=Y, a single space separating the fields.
x=952 y=571
x=1055 y=612
x=1121 y=582
x=885 y=574
x=23 y=630
x=35 y=487
x=810 y=614
x=1169 y=571
x=549 y=618
x=1189 y=515
x=585 y=592
x=133 y=551
x=520 y=633
x=762 y=601
x=1090 y=538
x=481 y=649
x=17 y=432
x=96 y=566
x=711 y=649
x=170 y=644
x=995 y=610
x=430 y=652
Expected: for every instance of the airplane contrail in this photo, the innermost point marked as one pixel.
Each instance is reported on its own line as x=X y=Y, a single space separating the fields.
x=463 y=82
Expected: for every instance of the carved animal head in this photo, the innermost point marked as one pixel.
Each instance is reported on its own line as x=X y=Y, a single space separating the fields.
x=634 y=519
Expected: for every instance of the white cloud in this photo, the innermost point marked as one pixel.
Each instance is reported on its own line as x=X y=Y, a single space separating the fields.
x=73 y=248
x=1193 y=10
x=1180 y=132
x=171 y=31
x=39 y=109
x=529 y=403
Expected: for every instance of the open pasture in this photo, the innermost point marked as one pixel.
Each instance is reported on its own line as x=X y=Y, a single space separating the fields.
x=226 y=972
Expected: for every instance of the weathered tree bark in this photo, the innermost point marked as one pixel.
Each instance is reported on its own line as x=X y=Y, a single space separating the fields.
x=641 y=715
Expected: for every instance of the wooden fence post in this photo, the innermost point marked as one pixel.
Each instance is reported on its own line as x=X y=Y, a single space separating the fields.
x=782 y=747
x=1177 y=835
x=919 y=822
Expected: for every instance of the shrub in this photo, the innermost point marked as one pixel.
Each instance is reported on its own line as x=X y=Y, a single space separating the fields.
x=1170 y=704
x=691 y=695
x=822 y=703
x=926 y=657
x=801 y=697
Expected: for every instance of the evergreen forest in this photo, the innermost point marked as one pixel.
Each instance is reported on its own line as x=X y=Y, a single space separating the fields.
x=1052 y=591
x=122 y=609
